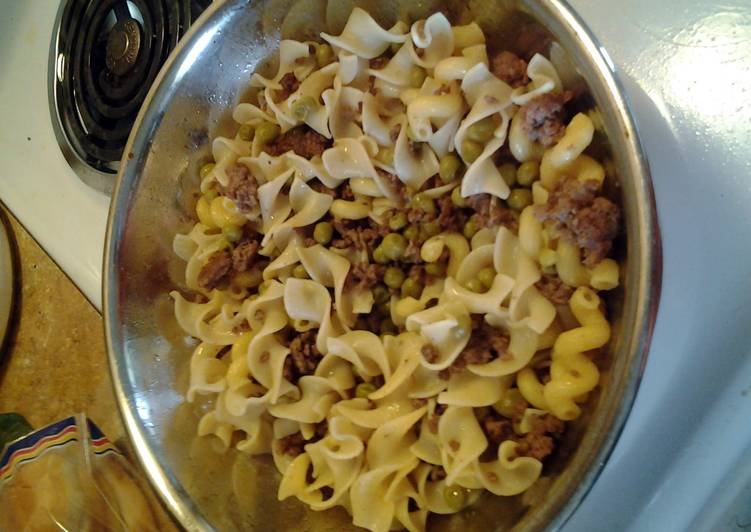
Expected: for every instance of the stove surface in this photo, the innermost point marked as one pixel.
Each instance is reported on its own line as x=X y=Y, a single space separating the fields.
x=683 y=461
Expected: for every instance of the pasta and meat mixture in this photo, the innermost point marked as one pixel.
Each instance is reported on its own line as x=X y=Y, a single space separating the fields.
x=395 y=271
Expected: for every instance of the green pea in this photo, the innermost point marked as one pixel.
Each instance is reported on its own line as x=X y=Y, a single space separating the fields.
x=364 y=389
x=431 y=229
x=435 y=269
x=324 y=55
x=448 y=168
x=423 y=202
x=300 y=272
x=206 y=169
x=417 y=77
x=381 y=294
x=508 y=173
x=232 y=233
x=470 y=228
x=471 y=150
x=474 y=285
x=481 y=131
x=456 y=197
x=487 y=276
x=323 y=232
x=266 y=132
x=397 y=221
x=519 y=198
x=210 y=195
x=394 y=277
x=455 y=497
x=303 y=107
x=527 y=173
x=379 y=256
x=394 y=245
x=411 y=288
x=412 y=232
x=386 y=155
x=388 y=327
x=246 y=132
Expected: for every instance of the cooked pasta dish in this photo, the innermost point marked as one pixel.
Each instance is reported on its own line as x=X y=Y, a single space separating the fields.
x=394 y=280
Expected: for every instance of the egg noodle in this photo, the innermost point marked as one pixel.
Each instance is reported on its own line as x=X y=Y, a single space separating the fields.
x=389 y=420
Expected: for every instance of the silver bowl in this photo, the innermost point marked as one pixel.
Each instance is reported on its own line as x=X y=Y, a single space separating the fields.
x=189 y=104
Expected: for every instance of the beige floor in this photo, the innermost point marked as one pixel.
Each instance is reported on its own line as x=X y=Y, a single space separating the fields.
x=55 y=363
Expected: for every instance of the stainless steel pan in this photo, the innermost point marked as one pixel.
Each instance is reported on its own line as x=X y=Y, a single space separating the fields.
x=189 y=104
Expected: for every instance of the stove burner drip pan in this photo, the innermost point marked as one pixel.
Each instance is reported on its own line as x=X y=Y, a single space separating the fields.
x=104 y=57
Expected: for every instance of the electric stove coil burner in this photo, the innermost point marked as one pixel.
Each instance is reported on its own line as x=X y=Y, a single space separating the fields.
x=105 y=56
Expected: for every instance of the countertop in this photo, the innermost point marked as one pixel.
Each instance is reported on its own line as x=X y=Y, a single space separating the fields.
x=54 y=363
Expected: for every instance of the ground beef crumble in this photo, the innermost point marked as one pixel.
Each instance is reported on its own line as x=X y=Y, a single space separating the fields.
x=292 y=445
x=215 y=270
x=418 y=403
x=430 y=353
x=543 y=117
x=437 y=473
x=595 y=227
x=510 y=68
x=344 y=191
x=244 y=253
x=486 y=343
x=538 y=443
x=365 y=275
x=224 y=264
x=579 y=215
x=242 y=188
x=418 y=274
x=302 y=140
x=321 y=188
x=490 y=212
x=372 y=322
x=412 y=253
x=450 y=217
x=304 y=356
x=289 y=85
x=416 y=215
x=435 y=417
x=361 y=234
x=497 y=429
x=555 y=290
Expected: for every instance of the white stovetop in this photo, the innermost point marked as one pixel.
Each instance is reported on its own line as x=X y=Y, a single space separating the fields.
x=684 y=459
x=65 y=216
